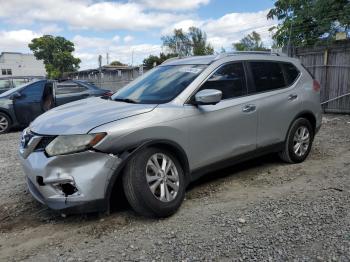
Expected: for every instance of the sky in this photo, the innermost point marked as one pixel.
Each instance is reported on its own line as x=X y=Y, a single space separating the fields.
x=129 y=30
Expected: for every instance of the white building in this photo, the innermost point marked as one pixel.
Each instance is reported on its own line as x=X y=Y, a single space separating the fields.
x=18 y=64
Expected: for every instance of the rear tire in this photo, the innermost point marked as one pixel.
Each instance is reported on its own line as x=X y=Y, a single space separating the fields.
x=5 y=123
x=154 y=183
x=299 y=141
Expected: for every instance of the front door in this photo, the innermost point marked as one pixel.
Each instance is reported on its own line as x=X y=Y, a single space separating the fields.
x=227 y=129
x=28 y=105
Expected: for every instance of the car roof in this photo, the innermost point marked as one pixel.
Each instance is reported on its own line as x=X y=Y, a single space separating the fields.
x=245 y=55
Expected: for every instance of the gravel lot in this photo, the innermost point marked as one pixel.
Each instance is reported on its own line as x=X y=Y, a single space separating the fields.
x=259 y=210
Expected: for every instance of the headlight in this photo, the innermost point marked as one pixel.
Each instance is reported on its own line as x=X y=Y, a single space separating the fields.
x=73 y=143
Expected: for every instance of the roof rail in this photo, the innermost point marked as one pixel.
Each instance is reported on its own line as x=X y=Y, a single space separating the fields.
x=222 y=55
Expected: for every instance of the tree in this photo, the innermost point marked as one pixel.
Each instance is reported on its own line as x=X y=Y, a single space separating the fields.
x=199 y=44
x=56 y=52
x=117 y=63
x=178 y=43
x=152 y=60
x=308 y=22
x=185 y=44
x=251 y=42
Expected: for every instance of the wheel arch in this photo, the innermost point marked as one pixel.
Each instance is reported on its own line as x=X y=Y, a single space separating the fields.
x=7 y=114
x=125 y=156
x=310 y=117
x=307 y=115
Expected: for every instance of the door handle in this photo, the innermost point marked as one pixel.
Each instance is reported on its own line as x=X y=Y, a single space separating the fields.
x=292 y=97
x=248 y=108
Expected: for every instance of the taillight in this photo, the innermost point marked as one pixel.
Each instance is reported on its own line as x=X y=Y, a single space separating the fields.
x=316 y=86
x=108 y=94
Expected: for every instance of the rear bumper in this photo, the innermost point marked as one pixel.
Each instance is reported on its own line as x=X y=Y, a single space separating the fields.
x=88 y=173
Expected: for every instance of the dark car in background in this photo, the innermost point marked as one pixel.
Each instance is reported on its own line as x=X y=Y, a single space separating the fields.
x=21 y=105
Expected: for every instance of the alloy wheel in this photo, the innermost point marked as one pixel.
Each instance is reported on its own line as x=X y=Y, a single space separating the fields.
x=301 y=141
x=3 y=124
x=162 y=177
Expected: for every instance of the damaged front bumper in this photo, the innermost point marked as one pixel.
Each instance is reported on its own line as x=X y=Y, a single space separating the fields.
x=74 y=183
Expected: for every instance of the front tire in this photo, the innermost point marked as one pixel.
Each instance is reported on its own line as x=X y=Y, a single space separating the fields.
x=5 y=123
x=299 y=141
x=154 y=183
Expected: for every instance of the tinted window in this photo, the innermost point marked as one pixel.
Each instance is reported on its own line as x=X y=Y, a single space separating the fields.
x=267 y=76
x=229 y=79
x=160 y=85
x=69 y=89
x=34 y=90
x=291 y=73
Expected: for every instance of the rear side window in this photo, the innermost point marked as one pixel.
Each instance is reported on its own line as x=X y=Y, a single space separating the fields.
x=229 y=79
x=267 y=76
x=291 y=72
x=69 y=89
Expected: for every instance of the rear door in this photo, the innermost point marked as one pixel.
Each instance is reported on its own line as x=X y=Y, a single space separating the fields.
x=29 y=104
x=69 y=92
x=277 y=98
x=227 y=129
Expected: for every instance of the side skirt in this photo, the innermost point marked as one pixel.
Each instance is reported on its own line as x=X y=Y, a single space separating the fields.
x=197 y=173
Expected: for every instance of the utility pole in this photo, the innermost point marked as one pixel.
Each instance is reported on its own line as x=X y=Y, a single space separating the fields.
x=132 y=57
x=100 y=68
x=107 y=58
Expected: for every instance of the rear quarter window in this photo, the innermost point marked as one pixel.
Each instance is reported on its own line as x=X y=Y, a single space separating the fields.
x=291 y=73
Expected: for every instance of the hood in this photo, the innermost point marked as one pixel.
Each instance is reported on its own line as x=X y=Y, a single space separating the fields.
x=83 y=115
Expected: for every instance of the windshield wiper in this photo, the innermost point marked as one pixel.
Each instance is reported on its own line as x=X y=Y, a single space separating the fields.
x=126 y=100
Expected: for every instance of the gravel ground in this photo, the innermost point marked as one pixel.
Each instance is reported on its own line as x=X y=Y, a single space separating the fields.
x=259 y=210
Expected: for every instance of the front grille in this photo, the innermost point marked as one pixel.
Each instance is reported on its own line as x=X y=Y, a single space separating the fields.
x=44 y=142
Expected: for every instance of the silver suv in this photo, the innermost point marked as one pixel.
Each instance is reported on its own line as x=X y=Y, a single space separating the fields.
x=180 y=120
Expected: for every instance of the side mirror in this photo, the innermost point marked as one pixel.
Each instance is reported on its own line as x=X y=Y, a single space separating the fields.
x=208 y=97
x=16 y=95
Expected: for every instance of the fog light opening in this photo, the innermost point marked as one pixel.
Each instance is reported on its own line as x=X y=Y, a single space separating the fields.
x=67 y=189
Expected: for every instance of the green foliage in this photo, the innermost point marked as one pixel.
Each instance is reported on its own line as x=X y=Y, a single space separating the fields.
x=117 y=63
x=198 y=40
x=185 y=44
x=152 y=60
x=251 y=42
x=56 y=52
x=308 y=22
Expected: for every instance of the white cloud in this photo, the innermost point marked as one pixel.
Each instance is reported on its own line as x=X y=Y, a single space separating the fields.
x=174 y=4
x=89 y=48
x=50 y=29
x=230 y=28
x=16 y=40
x=128 y=39
x=85 y=14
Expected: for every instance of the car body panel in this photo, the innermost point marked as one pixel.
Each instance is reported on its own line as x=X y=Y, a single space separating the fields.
x=81 y=116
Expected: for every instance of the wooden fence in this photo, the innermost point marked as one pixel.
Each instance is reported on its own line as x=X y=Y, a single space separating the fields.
x=331 y=67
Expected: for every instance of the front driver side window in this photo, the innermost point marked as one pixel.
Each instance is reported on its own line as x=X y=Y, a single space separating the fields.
x=34 y=91
x=229 y=79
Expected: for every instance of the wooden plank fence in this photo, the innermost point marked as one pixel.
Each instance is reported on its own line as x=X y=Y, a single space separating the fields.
x=331 y=67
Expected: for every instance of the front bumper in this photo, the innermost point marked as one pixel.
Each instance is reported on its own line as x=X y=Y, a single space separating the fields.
x=87 y=172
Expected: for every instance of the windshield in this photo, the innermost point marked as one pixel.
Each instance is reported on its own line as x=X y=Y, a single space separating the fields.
x=160 y=85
